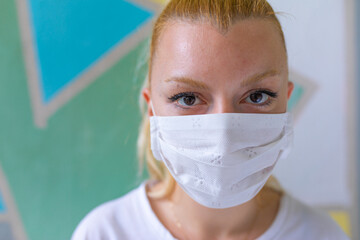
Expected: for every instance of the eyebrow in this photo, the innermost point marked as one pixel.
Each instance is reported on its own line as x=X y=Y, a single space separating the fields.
x=200 y=85
x=189 y=81
x=259 y=77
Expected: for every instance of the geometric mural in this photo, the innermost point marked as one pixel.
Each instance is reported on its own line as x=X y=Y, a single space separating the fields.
x=343 y=219
x=68 y=44
x=10 y=224
x=304 y=90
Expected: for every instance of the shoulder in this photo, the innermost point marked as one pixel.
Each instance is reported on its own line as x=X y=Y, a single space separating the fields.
x=111 y=220
x=300 y=221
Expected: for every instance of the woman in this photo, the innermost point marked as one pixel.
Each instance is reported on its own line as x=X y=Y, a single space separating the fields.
x=216 y=124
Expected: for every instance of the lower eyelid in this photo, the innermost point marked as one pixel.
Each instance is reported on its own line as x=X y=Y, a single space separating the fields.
x=267 y=103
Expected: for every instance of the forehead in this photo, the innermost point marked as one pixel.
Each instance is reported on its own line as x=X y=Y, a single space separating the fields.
x=200 y=50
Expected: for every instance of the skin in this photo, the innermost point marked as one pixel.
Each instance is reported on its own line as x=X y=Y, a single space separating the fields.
x=242 y=71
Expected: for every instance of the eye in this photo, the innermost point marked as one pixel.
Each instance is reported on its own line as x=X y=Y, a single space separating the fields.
x=260 y=97
x=257 y=98
x=185 y=99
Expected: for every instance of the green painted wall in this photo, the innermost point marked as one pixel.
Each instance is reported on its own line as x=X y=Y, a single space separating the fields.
x=84 y=157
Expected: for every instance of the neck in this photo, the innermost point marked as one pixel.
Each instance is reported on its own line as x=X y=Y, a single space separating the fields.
x=252 y=217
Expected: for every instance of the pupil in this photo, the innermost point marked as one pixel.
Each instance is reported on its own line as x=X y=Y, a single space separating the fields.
x=189 y=100
x=256 y=97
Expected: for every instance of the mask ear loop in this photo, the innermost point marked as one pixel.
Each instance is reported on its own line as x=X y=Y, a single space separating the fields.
x=152 y=108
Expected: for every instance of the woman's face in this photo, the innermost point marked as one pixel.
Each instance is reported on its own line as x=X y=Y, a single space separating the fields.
x=198 y=70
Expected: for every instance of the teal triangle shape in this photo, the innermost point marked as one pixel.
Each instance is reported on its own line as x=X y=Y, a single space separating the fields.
x=296 y=96
x=70 y=35
x=2 y=204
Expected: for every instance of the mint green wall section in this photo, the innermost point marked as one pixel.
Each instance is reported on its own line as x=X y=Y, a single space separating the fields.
x=84 y=157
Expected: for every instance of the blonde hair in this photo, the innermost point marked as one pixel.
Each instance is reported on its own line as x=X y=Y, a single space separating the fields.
x=221 y=14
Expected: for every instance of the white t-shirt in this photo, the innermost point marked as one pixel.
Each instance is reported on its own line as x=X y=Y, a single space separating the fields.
x=131 y=218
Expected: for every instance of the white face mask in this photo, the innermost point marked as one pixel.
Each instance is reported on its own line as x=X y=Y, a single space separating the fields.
x=221 y=160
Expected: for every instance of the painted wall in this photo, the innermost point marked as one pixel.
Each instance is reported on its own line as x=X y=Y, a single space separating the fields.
x=320 y=48
x=61 y=160
x=69 y=84
x=308 y=25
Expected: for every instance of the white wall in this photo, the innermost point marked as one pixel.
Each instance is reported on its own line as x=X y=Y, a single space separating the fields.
x=317 y=170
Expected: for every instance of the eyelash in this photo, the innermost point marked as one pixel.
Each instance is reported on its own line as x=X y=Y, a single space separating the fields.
x=182 y=94
x=271 y=94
